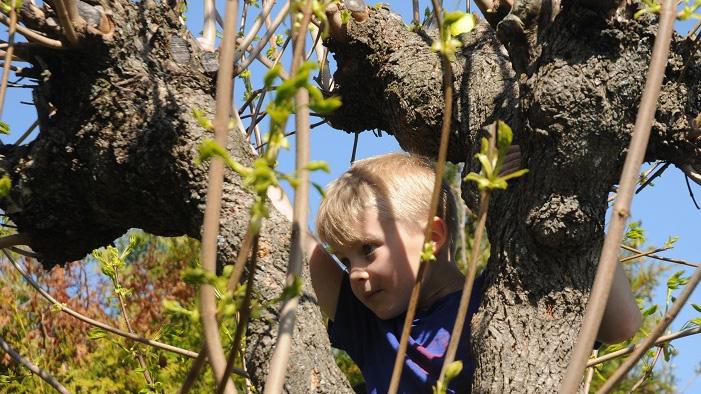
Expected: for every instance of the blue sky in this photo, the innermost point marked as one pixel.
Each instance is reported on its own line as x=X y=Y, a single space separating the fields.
x=665 y=209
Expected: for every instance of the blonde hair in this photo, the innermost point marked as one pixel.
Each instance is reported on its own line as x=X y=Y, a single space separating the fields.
x=398 y=185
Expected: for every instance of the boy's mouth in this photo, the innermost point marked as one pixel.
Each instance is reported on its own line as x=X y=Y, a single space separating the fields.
x=371 y=294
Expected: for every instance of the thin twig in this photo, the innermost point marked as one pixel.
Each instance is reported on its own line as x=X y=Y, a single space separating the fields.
x=652 y=177
x=642 y=254
x=33 y=35
x=50 y=380
x=8 y=55
x=92 y=322
x=590 y=374
x=440 y=168
x=210 y=231
x=255 y=52
x=655 y=334
x=257 y=24
x=27 y=132
x=647 y=372
x=416 y=14
x=194 y=371
x=469 y=282
x=355 y=147
x=661 y=258
x=621 y=210
x=691 y=193
x=630 y=349
x=244 y=314
x=127 y=321
x=311 y=127
x=288 y=310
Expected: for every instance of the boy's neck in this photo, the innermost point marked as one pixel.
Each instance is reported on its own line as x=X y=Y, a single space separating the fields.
x=443 y=278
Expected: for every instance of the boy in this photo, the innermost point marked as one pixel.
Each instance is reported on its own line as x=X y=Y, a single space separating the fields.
x=373 y=218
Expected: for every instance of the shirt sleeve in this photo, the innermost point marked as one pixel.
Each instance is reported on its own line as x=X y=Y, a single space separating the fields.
x=351 y=328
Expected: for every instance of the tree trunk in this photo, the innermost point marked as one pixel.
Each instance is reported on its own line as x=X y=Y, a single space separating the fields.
x=120 y=151
x=572 y=109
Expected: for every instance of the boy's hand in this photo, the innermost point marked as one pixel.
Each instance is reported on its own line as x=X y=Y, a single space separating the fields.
x=512 y=161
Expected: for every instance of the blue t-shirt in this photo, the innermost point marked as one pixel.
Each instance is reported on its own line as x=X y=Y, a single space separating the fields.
x=372 y=342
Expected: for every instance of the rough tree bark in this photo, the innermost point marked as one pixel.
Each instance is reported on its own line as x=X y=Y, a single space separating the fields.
x=119 y=152
x=572 y=108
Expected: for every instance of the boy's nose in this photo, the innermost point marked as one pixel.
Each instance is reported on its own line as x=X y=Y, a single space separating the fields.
x=359 y=274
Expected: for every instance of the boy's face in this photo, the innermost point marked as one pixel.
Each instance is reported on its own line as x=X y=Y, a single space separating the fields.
x=383 y=266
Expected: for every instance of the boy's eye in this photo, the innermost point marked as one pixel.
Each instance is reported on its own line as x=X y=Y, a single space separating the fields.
x=368 y=249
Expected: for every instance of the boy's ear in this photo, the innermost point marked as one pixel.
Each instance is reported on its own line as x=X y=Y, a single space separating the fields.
x=439 y=233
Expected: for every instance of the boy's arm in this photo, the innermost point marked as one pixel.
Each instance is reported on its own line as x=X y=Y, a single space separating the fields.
x=326 y=274
x=622 y=318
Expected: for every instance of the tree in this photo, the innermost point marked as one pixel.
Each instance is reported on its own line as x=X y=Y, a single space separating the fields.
x=116 y=150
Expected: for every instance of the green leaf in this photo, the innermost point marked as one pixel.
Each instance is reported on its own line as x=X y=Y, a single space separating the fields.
x=272 y=75
x=427 y=254
x=504 y=137
x=697 y=307
x=317 y=165
x=649 y=311
x=201 y=119
x=514 y=174
x=696 y=322
x=319 y=189
x=345 y=16
x=326 y=106
x=4 y=128
x=464 y=24
x=5 y=186
x=96 y=333
x=292 y=290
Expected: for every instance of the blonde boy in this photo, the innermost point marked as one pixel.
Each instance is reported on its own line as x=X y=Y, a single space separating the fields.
x=373 y=218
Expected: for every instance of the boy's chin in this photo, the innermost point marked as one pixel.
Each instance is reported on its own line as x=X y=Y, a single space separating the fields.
x=386 y=314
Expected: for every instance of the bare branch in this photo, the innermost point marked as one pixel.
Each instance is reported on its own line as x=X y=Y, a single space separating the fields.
x=32 y=35
x=209 y=30
x=661 y=258
x=127 y=321
x=255 y=53
x=32 y=367
x=251 y=35
x=621 y=210
x=288 y=311
x=630 y=349
x=440 y=168
x=8 y=55
x=210 y=227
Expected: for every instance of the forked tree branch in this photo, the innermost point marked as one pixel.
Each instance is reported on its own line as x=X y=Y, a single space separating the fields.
x=621 y=210
x=661 y=258
x=50 y=380
x=630 y=349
